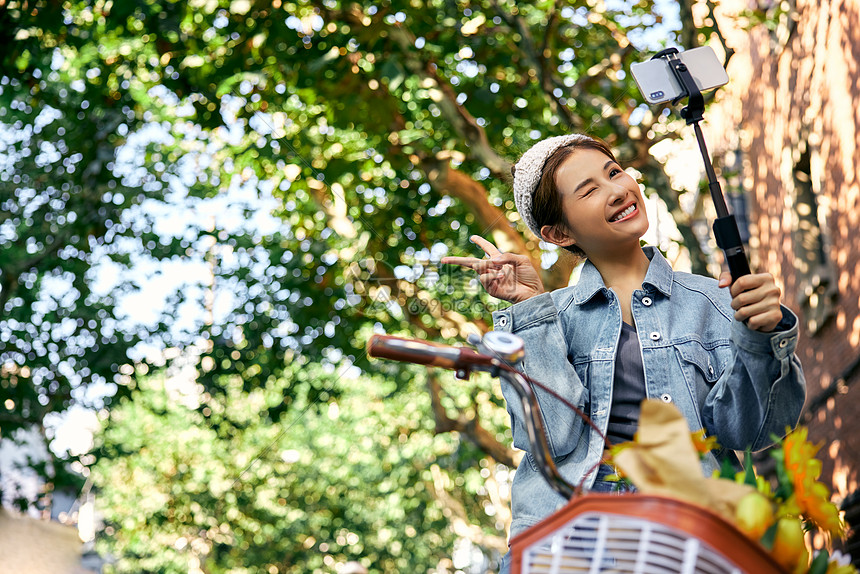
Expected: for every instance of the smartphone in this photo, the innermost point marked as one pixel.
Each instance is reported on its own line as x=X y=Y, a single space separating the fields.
x=658 y=84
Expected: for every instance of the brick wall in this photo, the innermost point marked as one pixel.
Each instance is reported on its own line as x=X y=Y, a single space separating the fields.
x=792 y=113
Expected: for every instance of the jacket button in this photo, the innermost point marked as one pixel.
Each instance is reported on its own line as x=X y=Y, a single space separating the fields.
x=783 y=343
x=710 y=370
x=646 y=301
x=655 y=336
x=666 y=398
x=503 y=321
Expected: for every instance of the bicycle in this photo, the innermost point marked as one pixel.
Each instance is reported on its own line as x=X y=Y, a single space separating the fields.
x=594 y=533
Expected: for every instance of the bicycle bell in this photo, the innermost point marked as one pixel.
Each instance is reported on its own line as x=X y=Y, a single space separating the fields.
x=505 y=346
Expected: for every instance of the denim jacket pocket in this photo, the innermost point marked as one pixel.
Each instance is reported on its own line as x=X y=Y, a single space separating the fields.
x=710 y=363
x=702 y=367
x=565 y=426
x=533 y=464
x=561 y=425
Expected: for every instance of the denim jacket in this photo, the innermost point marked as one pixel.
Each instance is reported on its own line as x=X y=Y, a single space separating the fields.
x=738 y=384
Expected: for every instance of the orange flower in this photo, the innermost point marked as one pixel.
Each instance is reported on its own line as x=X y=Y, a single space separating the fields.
x=815 y=498
x=704 y=444
x=800 y=458
x=811 y=497
x=610 y=460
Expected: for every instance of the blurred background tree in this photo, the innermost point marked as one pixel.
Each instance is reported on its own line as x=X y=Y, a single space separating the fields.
x=379 y=136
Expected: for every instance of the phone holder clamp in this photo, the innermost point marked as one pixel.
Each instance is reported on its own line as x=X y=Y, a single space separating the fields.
x=695 y=109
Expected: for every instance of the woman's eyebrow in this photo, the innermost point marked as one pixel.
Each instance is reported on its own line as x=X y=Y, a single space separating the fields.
x=583 y=183
x=586 y=181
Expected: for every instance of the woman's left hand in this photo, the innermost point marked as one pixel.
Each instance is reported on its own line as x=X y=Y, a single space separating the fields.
x=755 y=299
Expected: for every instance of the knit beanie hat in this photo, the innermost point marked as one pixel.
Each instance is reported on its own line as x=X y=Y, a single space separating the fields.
x=528 y=171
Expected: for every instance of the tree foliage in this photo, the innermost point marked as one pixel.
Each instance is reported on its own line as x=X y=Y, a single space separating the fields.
x=384 y=133
x=354 y=481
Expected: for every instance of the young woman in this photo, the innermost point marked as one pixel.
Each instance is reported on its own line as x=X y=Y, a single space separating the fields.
x=631 y=328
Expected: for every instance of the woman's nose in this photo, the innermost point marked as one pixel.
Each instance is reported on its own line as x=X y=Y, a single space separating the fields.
x=617 y=193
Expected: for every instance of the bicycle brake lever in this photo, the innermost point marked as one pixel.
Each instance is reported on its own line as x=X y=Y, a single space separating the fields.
x=474 y=339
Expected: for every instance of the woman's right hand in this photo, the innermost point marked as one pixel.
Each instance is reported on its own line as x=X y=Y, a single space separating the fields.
x=504 y=275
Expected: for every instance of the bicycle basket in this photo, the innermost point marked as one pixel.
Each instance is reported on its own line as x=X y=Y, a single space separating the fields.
x=635 y=533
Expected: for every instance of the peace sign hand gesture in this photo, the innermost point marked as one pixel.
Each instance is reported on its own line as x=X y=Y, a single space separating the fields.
x=504 y=275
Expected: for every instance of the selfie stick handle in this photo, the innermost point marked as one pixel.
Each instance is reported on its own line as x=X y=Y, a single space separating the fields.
x=725 y=226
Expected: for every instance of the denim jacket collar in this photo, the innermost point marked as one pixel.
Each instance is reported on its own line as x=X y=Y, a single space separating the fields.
x=659 y=276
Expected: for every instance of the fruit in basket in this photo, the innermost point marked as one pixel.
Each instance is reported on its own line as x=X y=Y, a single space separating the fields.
x=754 y=515
x=789 y=547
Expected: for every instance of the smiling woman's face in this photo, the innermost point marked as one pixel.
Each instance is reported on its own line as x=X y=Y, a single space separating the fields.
x=602 y=204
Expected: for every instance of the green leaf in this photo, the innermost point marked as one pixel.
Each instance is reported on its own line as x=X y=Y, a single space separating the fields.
x=769 y=536
x=394 y=72
x=785 y=487
x=819 y=563
x=749 y=471
x=727 y=469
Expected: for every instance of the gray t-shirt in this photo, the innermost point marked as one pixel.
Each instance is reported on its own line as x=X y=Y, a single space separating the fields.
x=628 y=389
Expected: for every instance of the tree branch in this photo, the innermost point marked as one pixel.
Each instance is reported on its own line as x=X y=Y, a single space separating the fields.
x=490 y=218
x=444 y=96
x=689 y=31
x=460 y=522
x=469 y=427
x=548 y=81
x=728 y=51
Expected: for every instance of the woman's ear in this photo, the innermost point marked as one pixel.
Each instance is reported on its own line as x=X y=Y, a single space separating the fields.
x=557 y=235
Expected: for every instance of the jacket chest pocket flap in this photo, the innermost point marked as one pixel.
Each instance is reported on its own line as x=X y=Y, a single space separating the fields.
x=710 y=363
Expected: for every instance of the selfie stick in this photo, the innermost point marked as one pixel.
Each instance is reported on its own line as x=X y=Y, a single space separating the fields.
x=726 y=226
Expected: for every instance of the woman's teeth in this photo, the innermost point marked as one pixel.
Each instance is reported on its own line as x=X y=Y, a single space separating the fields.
x=625 y=213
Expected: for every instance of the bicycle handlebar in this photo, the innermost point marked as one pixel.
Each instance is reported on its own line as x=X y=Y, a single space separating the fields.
x=424 y=352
